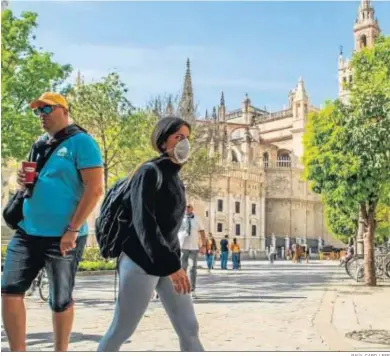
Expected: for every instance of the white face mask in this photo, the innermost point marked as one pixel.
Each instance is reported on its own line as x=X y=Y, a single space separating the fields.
x=182 y=151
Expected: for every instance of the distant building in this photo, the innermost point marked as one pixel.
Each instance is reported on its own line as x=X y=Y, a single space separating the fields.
x=4 y=5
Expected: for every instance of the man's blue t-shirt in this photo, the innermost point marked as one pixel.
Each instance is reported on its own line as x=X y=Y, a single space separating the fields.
x=59 y=187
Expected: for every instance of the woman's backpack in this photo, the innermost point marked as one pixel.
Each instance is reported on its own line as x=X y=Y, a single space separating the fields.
x=113 y=223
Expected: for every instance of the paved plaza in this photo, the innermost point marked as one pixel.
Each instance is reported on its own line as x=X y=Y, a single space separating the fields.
x=281 y=307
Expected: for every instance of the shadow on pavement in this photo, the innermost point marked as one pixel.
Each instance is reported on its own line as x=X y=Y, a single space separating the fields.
x=245 y=299
x=246 y=285
x=47 y=339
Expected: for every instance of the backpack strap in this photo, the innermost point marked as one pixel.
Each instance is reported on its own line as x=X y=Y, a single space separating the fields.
x=41 y=151
x=159 y=175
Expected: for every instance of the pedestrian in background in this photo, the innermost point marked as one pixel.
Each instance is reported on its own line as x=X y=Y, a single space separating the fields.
x=307 y=254
x=224 y=243
x=235 y=248
x=271 y=254
x=211 y=250
x=192 y=239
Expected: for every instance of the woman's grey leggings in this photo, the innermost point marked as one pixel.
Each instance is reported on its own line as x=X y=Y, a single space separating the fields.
x=135 y=291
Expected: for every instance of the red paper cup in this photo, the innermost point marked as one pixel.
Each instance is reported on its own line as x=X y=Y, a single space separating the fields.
x=29 y=169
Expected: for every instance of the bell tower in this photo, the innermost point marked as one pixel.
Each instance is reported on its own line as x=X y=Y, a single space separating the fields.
x=365 y=31
x=366 y=28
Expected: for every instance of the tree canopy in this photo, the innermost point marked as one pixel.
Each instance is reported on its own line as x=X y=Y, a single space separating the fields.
x=26 y=72
x=122 y=132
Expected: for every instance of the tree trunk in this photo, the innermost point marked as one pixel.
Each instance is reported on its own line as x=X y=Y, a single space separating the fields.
x=105 y=178
x=369 y=237
x=359 y=248
x=105 y=165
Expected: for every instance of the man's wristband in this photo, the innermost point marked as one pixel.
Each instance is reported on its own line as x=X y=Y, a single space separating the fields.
x=68 y=228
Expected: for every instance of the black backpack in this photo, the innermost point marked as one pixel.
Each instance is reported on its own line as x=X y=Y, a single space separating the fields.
x=112 y=225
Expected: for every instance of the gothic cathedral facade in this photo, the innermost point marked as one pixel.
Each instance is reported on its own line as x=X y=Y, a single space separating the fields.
x=262 y=198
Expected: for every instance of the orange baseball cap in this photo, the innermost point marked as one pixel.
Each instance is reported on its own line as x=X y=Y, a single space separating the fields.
x=49 y=98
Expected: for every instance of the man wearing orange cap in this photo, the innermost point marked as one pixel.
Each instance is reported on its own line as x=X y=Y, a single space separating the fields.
x=52 y=232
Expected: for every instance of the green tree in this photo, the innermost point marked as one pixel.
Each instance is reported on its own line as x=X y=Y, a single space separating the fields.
x=347 y=150
x=383 y=219
x=197 y=173
x=26 y=72
x=341 y=220
x=122 y=132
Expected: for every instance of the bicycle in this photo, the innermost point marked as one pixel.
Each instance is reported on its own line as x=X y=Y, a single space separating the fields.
x=41 y=282
x=356 y=268
x=352 y=265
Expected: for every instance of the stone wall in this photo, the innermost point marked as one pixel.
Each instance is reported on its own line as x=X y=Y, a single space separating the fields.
x=284 y=206
x=292 y=209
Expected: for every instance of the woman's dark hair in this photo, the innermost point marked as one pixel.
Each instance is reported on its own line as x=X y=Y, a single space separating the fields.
x=235 y=241
x=164 y=128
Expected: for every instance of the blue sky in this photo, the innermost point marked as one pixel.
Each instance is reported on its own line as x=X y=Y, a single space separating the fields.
x=256 y=47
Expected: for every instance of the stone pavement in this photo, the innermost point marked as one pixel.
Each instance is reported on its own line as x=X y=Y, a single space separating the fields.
x=281 y=307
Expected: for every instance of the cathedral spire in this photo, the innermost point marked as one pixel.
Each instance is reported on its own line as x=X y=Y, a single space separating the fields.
x=222 y=109
x=78 y=79
x=222 y=103
x=300 y=93
x=169 y=110
x=186 y=106
x=214 y=115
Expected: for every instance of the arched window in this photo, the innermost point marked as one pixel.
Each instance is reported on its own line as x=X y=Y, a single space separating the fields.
x=363 y=41
x=284 y=159
x=265 y=159
x=234 y=156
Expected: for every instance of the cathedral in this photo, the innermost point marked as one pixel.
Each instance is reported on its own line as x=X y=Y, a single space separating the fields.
x=262 y=198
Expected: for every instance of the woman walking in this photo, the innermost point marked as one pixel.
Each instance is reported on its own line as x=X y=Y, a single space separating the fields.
x=150 y=258
x=211 y=250
x=307 y=254
x=235 y=248
x=272 y=253
x=298 y=253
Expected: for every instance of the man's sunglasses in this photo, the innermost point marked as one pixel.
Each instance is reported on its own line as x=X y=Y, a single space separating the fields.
x=45 y=110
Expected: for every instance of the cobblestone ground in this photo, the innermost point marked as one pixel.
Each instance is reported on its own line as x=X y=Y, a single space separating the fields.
x=261 y=307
